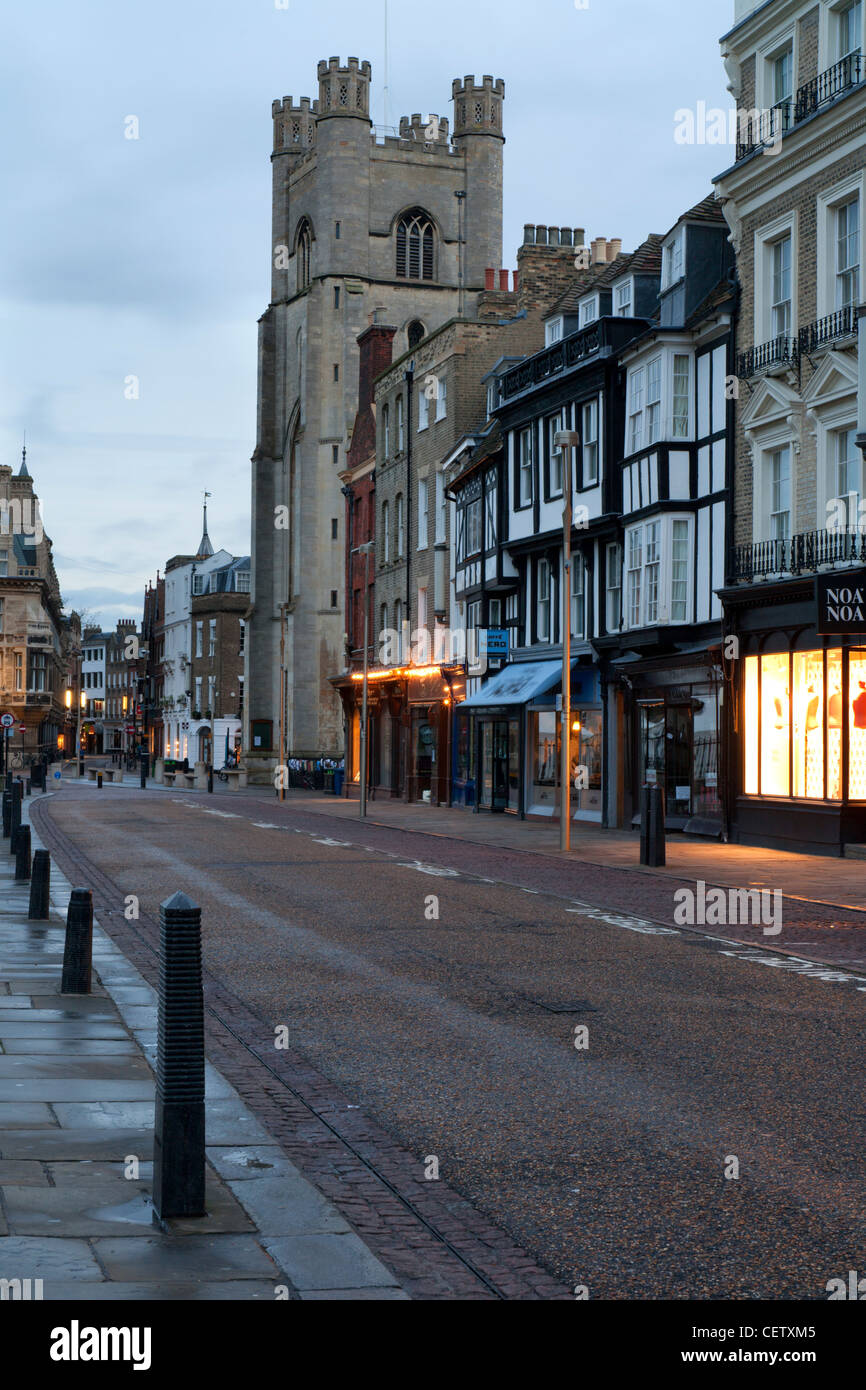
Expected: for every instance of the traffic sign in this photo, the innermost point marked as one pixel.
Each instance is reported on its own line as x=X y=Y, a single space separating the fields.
x=22 y=728
x=7 y=720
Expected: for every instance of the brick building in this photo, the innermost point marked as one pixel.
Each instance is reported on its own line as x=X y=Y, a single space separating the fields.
x=794 y=201
x=219 y=604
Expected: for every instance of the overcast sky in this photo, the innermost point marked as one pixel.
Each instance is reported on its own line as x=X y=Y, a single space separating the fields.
x=149 y=258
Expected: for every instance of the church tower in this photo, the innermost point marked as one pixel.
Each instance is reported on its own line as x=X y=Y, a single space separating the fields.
x=366 y=227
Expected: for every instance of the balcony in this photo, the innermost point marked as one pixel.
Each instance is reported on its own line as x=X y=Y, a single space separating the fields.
x=841 y=324
x=766 y=127
x=600 y=338
x=829 y=85
x=777 y=352
x=763 y=129
x=807 y=553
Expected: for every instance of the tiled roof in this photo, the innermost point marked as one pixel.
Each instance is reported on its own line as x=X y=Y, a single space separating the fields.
x=720 y=297
x=709 y=209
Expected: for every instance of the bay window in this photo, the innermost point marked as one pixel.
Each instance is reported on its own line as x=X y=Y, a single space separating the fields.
x=542 y=601
x=614 y=588
x=524 y=468
x=635 y=569
x=590 y=443
x=654 y=400
x=653 y=563
x=578 y=604
x=636 y=389
x=679 y=571
x=680 y=413
x=554 y=453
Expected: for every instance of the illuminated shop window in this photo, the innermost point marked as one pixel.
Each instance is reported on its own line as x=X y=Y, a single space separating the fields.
x=793 y=708
x=809 y=725
x=857 y=727
x=775 y=724
x=834 y=727
x=751 y=727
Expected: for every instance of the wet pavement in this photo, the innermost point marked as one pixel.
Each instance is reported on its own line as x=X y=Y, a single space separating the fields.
x=76 y=1143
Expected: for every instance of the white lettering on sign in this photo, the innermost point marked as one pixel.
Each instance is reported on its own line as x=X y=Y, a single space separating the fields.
x=845 y=605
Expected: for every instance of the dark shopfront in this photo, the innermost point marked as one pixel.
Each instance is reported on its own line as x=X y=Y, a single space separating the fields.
x=673 y=739
x=798 y=718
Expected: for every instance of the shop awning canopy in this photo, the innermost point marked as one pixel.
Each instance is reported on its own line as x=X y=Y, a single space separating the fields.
x=516 y=685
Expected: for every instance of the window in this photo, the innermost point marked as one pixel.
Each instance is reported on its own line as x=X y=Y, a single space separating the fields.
x=338 y=230
x=672 y=261
x=423 y=513
x=303 y=255
x=679 y=571
x=782 y=76
x=414 y=333
x=398 y=624
x=590 y=443
x=588 y=312
x=848 y=254
x=386 y=534
x=680 y=416
x=542 y=605
x=780 y=493
x=211 y=647
x=524 y=468
x=336 y=296
x=242 y=584
x=415 y=246
x=442 y=400
x=211 y=692
x=554 y=479
x=386 y=431
x=383 y=623
x=4 y=563
x=401 y=535
x=422 y=410
x=849 y=461
x=636 y=388
x=780 y=304
x=439 y=537
x=654 y=400
x=199 y=633
x=622 y=300
x=19 y=671
x=333 y=598
x=198 y=694
x=198 y=583
x=578 y=607
x=399 y=424
x=552 y=332
x=614 y=588
x=422 y=607
x=336 y=371
x=491 y=494
x=653 y=563
x=492 y=397
x=474 y=538
x=850 y=31
x=635 y=565
x=335 y=526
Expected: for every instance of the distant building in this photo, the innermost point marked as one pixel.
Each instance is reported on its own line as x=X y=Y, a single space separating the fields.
x=219 y=603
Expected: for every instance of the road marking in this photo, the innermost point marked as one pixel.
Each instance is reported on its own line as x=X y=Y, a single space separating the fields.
x=812 y=969
x=430 y=869
x=638 y=924
x=337 y=844
x=265 y=825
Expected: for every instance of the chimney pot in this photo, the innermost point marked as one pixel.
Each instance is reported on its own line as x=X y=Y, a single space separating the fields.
x=503 y=280
x=490 y=279
x=529 y=234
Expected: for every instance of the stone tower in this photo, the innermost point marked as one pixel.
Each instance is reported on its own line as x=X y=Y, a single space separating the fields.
x=366 y=227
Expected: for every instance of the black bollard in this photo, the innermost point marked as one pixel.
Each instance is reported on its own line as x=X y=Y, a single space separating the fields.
x=7 y=815
x=653 y=836
x=210 y=777
x=178 y=1141
x=22 y=854
x=16 y=815
x=78 y=951
x=99 y=779
x=40 y=886
x=143 y=770
x=9 y=781
x=644 y=824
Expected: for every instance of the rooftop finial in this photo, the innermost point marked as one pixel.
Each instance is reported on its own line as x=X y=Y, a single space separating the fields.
x=205 y=548
x=22 y=471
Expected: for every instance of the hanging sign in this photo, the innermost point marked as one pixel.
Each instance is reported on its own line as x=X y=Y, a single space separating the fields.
x=841 y=601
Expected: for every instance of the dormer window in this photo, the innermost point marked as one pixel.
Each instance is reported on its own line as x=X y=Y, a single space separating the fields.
x=623 y=299
x=673 y=260
x=552 y=332
x=588 y=311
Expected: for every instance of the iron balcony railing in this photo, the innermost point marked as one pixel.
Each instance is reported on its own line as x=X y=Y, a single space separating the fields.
x=803 y=554
x=840 y=324
x=764 y=128
x=772 y=354
x=829 y=85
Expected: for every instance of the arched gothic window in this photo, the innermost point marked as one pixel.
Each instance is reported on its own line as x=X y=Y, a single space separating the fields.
x=415 y=246
x=415 y=332
x=303 y=255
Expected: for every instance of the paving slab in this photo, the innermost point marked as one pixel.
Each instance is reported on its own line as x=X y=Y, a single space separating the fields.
x=328 y=1262
x=67 y=1029
x=84 y=1047
x=24 y=1114
x=86 y=1142
x=234 y=1290
x=47 y=1258
x=209 y=1258
x=68 y=1089
x=20 y=1171
x=100 y=1068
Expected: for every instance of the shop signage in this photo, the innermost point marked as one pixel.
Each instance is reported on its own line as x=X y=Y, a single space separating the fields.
x=497 y=642
x=841 y=600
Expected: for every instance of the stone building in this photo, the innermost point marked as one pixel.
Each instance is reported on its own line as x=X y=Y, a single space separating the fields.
x=123 y=713
x=38 y=645
x=153 y=648
x=401 y=226
x=794 y=200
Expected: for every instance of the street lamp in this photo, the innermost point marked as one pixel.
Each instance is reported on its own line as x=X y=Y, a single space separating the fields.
x=861 y=387
x=366 y=549
x=566 y=440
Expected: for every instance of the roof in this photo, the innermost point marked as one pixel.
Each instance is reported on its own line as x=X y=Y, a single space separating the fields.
x=720 y=297
x=708 y=210
x=646 y=260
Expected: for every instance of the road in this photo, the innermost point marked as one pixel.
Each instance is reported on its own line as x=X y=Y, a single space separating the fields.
x=441 y=991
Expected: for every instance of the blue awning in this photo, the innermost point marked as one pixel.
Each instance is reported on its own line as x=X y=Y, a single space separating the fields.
x=516 y=684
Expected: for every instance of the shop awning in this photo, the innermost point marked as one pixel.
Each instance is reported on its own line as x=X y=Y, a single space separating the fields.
x=516 y=685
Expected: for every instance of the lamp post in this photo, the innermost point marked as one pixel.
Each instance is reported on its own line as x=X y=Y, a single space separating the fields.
x=365 y=549
x=566 y=440
x=861 y=380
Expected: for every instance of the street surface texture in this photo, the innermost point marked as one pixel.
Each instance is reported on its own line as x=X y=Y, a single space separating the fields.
x=413 y=1037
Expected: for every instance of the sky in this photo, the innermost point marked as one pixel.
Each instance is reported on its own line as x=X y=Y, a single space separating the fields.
x=133 y=271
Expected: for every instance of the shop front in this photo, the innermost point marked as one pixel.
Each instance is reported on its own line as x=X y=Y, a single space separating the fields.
x=798 y=728
x=673 y=738
x=585 y=752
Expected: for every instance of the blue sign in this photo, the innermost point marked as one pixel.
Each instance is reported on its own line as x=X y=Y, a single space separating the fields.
x=57 y=776
x=497 y=642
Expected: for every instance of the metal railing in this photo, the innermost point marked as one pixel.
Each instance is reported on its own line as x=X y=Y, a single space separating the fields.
x=763 y=129
x=785 y=350
x=803 y=554
x=828 y=85
x=569 y=352
x=842 y=323
x=776 y=352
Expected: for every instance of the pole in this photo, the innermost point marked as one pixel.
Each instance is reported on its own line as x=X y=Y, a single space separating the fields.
x=364 y=697
x=179 y=1133
x=283 y=769
x=565 y=776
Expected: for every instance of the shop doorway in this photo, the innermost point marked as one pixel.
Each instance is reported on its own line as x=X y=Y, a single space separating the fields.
x=666 y=757
x=424 y=741
x=499 y=755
